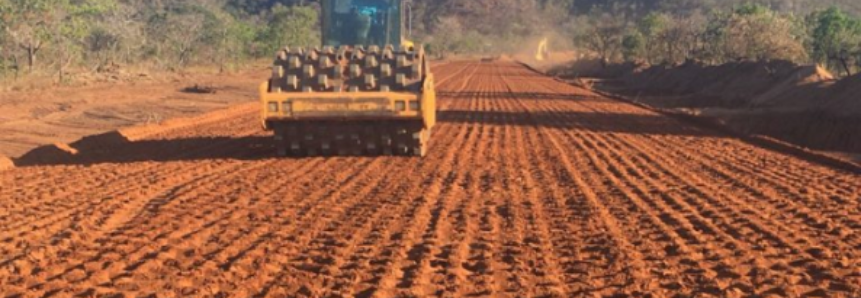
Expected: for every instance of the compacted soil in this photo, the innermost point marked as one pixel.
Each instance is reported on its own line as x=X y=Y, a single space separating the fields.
x=33 y=118
x=532 y=188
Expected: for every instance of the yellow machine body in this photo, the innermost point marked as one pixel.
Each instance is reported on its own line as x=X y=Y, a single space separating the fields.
x=349 y=106
x=368 y=91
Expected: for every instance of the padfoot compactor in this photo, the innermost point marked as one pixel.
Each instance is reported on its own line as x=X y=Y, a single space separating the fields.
x=366 y=92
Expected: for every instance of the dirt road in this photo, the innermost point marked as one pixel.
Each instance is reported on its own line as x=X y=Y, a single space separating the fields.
x=532 y=188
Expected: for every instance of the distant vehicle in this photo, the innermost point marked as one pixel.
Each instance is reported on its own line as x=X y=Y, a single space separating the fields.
x=368 y=91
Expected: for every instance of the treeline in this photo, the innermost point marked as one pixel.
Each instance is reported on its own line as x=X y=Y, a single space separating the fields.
x=827 y=32
x=55 y=37
x=829 y=37
x=605 y=26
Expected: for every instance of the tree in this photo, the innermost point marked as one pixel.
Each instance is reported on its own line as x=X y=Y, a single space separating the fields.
x=858 y=56
x=835 y=37
x=33 y=25
x=652 y=28
x=118 y=36
x=70 y=26
x=256 y=7
x=448 y=34
x=751 y=32
x=62 y=34
x=27 y=24
x=679 y=37
x=633 y=46
x=290 y=26
x=176 y=32
x=227 y=36
x=605 y=34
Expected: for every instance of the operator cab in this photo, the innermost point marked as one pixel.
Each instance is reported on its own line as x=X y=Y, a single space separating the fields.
x=362 y=22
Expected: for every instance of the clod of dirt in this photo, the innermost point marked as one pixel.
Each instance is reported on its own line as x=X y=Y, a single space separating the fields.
x=200 y=89
x=6 y=163
x=820 y=252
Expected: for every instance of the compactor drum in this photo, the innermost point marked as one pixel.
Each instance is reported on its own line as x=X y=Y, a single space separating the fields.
x=372 y=98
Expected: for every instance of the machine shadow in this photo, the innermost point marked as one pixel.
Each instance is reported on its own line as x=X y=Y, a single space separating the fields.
x=113 y=147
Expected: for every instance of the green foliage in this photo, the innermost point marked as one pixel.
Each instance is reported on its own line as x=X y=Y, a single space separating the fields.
x=742 y=32
x=170 y=34
x=452 y=38
x=752 y=32
x=257 y=7
x=26 y=25
x=835 y=37
x=59 y=36
x=30 y=25
x=652 y=28
x=751 y=9
x=653 y=24
x=290 y=26
x=633 y=45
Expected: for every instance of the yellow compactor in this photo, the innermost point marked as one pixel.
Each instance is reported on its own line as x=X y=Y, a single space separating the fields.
x=368 y=91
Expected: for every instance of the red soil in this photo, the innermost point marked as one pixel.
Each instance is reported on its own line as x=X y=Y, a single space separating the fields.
x=29 y=119
x=532 y=188
x=803 y=105
x=5 y=163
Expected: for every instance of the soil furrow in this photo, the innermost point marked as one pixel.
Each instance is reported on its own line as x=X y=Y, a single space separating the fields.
x=633 y=276
x=531 y=188
x=409 y=258
x=380 y=255
x=813 y=269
